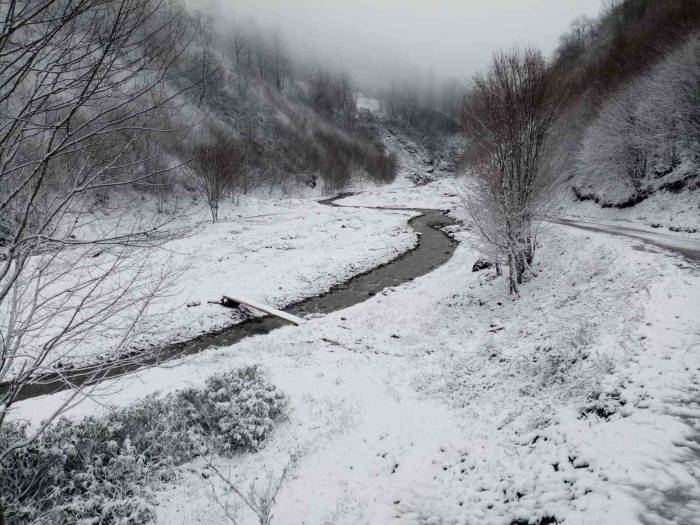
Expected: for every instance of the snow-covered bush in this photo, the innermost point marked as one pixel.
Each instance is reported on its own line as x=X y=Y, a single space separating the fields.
x=420 y=178
x=603 y=404
x=99 y=469
x=75 y=473
x=236 y=410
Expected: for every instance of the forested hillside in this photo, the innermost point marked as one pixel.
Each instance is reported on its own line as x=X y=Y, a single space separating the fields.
x=176 y=104
x=283 y=124
x=632 y=127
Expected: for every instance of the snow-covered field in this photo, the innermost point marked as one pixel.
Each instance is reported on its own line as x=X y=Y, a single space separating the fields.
x=278 y=253
x=274 y=251
x=445 y=400
x=445 y=193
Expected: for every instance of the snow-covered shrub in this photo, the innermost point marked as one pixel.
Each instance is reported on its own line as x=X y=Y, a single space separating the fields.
x=76 y=473
x=569 y=365
x=236 y=410
x=100 y=508
x=603 y=404
x=420 y=178
x=548 y=366
x=156 y=428
x=98 y=469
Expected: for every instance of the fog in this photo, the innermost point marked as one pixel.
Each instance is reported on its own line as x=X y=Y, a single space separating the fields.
x=378 y=40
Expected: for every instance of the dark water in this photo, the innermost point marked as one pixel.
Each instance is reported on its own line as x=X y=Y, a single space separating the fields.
x=434 y=249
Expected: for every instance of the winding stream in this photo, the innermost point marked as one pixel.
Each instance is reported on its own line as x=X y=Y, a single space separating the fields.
x=434 y=248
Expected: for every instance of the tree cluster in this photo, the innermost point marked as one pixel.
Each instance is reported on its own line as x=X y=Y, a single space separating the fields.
x=424 y=107
x=649 y=126
x=633 y=74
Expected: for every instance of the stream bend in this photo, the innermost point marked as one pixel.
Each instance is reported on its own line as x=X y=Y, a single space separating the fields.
x=434 y=248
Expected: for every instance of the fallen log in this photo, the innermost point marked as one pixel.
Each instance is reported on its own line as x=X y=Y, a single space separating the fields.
x=228 y=299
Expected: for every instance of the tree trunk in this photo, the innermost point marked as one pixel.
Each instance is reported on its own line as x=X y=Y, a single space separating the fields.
x=530 y=254
x=520 y=265
x=513 y=286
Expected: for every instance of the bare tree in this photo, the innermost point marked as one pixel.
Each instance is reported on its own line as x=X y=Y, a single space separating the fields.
x=215 y=164
x=508 y=117
x=319 y=91
x=332 y=97
x=579 y=37
x=76 y=78
x=260 y=501
x=155 y=160
x=240 y=44
x=203 y=28
x=344 y=101
x=262 y=57
x=280 y=62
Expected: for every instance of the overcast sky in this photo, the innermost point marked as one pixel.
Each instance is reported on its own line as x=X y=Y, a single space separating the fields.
x=375 y=39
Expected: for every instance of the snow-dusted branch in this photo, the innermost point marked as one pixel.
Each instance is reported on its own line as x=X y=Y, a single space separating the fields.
x=83 y=86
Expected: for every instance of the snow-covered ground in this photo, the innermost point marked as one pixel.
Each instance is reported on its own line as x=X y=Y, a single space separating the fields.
x=447 y=401
x=445 y=191
x=274 y=251
x=662 y=211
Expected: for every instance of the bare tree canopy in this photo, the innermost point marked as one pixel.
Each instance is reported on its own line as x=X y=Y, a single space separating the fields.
x=82 y=83
x=215 y=165
x=508 y=116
